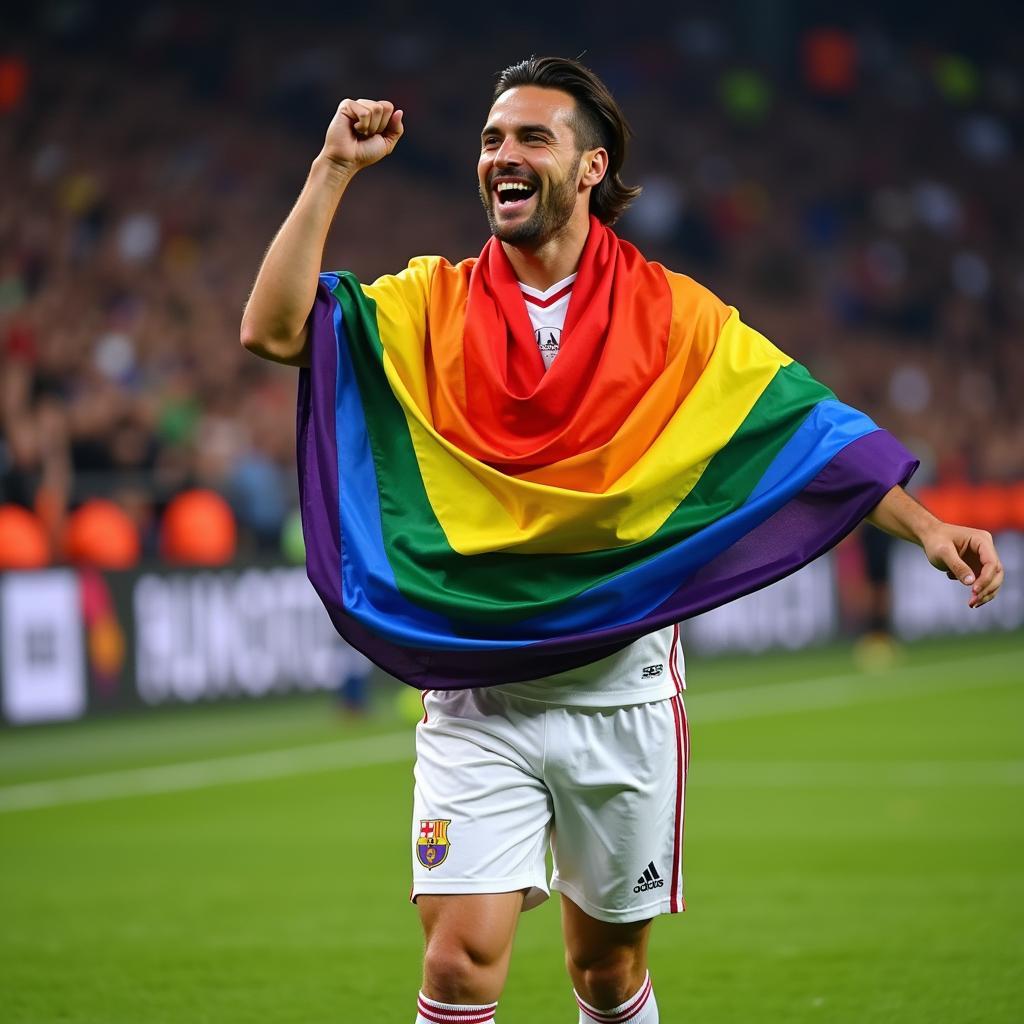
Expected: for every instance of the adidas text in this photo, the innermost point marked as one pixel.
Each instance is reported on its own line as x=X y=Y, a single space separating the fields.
x=656 y=884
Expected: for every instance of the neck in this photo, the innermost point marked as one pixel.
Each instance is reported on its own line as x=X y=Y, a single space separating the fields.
x=554 y=259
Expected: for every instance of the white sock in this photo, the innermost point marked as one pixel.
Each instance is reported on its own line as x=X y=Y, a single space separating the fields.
x=639 y=1008
x=432 y=1012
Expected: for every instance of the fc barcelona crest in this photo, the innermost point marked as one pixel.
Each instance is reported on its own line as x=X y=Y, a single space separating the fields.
x=432 y=846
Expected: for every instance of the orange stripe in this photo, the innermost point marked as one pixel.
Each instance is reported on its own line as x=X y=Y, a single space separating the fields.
x=443 y=355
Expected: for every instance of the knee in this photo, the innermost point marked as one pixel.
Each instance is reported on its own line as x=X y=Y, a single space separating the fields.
x=607 y=979
x=456 y=972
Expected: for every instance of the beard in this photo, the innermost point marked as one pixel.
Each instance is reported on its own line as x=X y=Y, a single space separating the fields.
x=552 y=212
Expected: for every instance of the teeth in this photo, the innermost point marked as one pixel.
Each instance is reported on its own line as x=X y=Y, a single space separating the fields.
x=507 y=186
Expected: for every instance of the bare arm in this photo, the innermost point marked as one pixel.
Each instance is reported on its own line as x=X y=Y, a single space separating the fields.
x=963 y=553
x=275 y=324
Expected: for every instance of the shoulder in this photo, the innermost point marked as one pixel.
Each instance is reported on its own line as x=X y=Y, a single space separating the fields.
x=699 y=299
x=423 y=282
x=689 y=297
x=418 y=275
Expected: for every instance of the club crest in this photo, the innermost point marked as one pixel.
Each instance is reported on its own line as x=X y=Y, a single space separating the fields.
x=432 y=845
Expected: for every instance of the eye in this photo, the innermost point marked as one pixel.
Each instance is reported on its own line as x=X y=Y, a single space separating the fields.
x=489 y=140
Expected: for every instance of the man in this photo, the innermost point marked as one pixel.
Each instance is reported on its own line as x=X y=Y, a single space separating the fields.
x=593 y=757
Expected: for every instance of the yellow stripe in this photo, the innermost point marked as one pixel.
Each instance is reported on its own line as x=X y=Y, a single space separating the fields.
x=402 y=318
x=481 y=509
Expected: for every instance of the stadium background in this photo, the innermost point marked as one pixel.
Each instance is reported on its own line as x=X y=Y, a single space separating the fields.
x=850 y=182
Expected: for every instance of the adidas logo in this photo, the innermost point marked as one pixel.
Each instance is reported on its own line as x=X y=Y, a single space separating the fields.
x=650 y=879
x=651 y=671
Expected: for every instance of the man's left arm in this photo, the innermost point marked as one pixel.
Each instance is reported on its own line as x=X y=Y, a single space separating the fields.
x=963 y=553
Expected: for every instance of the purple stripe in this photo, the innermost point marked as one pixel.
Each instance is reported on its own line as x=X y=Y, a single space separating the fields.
x=317 y=458
x=813 y=521
x=317 y=461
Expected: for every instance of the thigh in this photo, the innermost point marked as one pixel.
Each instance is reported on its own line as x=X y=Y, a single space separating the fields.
x=481 y=815
x=485 y=923
x=617 y=783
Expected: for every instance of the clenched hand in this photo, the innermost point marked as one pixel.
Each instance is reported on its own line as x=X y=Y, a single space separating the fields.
x=361 y=133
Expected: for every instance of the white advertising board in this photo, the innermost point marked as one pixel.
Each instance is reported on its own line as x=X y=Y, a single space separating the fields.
x=204 y=635
x=41 y=643
x=796 y=612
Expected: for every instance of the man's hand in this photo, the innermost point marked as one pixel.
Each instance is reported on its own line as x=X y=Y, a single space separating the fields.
x=275 y=324
x=361 y=133
x=963 y=553
x=966 y=555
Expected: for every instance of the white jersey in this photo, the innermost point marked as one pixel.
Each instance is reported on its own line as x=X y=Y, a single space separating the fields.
x=650 y=668
x=547 y=311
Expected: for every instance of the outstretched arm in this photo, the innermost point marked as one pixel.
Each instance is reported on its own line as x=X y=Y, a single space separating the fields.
x=963 y=553
x=275 y=324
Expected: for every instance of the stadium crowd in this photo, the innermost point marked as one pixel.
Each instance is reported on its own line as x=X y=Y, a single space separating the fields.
x=853 y=193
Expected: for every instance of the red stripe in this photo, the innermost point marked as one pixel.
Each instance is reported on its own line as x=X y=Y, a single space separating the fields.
x=427 y=1015
x=630 y=1010
x=626 y=1013
x=686 y=775
x=677 y=842
x=454 y=1011
x=544 y=303
x=677 y=677
x=686 y=735
x=423 y=701
x=455 y=1016
x=643 y=1003
x=683 y=757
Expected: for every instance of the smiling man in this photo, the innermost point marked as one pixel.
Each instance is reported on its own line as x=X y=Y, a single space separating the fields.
x=524 y=578
x=532 y=151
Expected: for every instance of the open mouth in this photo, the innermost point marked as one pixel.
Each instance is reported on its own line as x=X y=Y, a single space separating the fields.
x=512 y=193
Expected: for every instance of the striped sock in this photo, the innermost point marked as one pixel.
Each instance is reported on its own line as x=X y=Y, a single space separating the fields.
x=431 y=1012
x=641 y=1008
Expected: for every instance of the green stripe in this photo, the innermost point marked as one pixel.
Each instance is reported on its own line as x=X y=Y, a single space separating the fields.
x=505 y=588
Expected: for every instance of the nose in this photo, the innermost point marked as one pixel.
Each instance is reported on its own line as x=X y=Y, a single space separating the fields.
x=508 y=153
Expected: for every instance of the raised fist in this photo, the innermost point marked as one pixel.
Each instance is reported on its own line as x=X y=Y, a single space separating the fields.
x=362 y=132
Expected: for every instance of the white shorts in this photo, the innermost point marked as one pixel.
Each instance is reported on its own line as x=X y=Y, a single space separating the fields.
x=499 y=777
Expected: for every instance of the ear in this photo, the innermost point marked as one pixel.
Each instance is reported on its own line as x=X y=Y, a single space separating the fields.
x=594 y=165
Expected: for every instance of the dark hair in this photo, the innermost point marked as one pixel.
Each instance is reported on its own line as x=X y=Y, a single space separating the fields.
x=598 y=121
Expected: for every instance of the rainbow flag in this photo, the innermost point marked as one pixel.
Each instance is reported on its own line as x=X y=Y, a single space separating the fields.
x=472 y=520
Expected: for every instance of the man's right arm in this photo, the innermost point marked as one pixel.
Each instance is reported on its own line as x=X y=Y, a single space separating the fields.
x=275 y=324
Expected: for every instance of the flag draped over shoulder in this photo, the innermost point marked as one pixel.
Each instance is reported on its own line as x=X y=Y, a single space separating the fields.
x=472 y=520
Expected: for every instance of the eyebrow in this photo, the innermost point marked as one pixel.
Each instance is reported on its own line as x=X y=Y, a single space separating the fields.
x=523 y=129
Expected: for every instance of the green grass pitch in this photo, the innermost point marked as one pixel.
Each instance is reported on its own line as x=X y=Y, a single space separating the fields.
x=854 y=852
